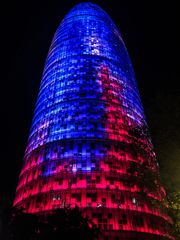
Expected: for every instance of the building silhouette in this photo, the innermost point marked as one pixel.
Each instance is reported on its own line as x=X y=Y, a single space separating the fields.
x=89 y=143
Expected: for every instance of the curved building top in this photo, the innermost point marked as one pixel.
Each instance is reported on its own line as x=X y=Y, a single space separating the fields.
x=87 y=60
x=88 y=8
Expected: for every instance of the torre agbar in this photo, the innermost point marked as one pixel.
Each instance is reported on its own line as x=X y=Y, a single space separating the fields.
x=89 y=144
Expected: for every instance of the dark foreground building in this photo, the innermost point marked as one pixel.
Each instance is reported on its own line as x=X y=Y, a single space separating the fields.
x=89 y=144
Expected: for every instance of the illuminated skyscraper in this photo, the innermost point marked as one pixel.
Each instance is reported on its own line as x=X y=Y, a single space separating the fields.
x=89 y=143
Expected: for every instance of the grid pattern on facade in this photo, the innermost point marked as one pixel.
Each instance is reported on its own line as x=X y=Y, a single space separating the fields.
x=89 y=138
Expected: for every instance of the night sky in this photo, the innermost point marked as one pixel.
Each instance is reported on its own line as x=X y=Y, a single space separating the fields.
x=149 y=30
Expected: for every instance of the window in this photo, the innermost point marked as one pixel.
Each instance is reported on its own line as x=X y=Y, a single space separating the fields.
x=137 y=221
x=97 y=179
x=122 y=219
x=109 y=215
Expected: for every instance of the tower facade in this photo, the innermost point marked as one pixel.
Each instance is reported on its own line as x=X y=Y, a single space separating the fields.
x=89 y=143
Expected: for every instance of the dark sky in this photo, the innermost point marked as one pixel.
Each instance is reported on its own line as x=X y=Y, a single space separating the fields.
x=149 y=30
